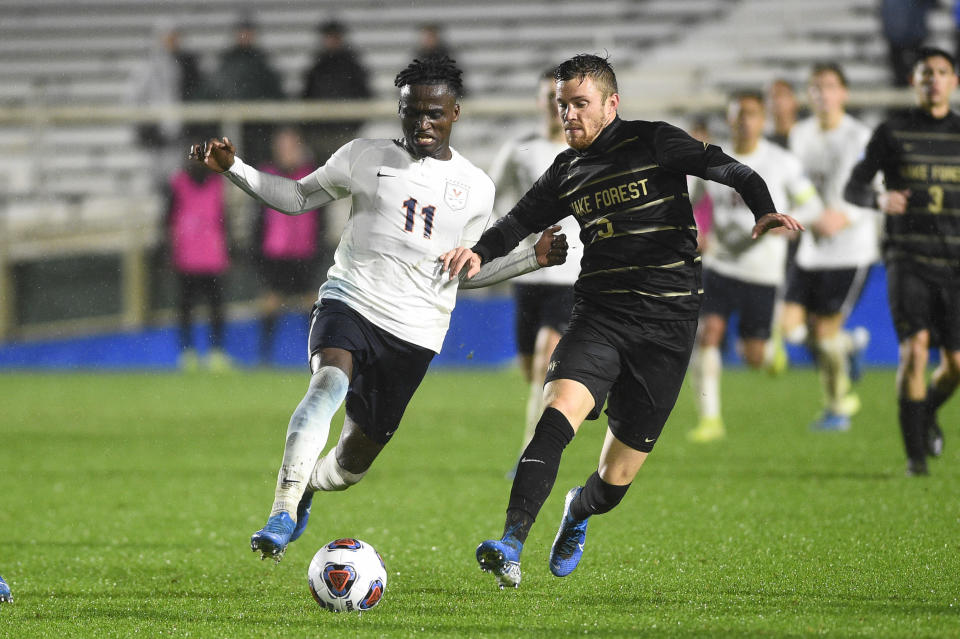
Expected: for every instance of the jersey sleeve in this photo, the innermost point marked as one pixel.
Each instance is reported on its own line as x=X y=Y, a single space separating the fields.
x=335 y=176
x=280 y=193
x=676 y=150
x=859 y=189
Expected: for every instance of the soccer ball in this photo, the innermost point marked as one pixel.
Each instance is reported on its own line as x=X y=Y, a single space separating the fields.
x=347 y=574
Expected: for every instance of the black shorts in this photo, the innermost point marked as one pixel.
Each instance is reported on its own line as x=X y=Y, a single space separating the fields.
x=724 y=296
x=640 y=364
x=828 y=291
x=386 y=369
x=925 y=297
x=290 y=277
x=540 y=305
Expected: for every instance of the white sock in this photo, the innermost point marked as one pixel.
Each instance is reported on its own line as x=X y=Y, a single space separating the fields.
x=797 y=335
x=329 y=475
x=307 y=435
x=707 y=368
x=832 y=362
x=534 y=410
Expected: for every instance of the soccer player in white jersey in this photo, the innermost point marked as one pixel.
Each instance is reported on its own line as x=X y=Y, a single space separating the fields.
x=384 y=310
x=741 y=275
x=834 y=258
x=544 y=298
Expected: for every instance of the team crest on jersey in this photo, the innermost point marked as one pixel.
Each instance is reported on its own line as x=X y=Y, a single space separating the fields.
x=455 y=195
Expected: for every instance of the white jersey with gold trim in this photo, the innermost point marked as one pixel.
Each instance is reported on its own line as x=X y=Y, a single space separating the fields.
x=517 y=165
x=827 y=158
x=730 y=249
x=405 y=213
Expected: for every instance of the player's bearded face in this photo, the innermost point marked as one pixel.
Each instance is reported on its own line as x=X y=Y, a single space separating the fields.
x=427 y=113
x=584 y=111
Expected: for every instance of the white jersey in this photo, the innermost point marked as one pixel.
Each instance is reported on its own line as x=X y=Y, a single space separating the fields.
x=405 y=213
x=730 y=249
x=518 y=165
x=828 y=157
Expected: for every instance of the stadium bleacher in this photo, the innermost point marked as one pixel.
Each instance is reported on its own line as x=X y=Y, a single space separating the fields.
x=80 y=53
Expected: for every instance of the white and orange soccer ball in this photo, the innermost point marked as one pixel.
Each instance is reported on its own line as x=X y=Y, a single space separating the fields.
x=347 y=574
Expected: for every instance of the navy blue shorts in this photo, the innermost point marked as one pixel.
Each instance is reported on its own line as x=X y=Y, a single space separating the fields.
x=540 y=305
x=724 y=296
x=828 y=291
x=637 y=367
x=386 y=369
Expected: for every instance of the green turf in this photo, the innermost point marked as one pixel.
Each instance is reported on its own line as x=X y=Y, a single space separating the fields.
x=127 y=502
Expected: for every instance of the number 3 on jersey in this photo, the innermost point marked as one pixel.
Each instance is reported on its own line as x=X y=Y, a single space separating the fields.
x=410 y=210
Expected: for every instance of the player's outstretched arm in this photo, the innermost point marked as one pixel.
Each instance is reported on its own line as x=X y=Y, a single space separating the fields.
x=217 y=155
x=773 y=221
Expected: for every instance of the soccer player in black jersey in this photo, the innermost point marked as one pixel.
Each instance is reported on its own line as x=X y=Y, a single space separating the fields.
x=919 y=155
x=637 y=297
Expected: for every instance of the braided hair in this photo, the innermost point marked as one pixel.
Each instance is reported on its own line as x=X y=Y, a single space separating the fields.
x=433 y=70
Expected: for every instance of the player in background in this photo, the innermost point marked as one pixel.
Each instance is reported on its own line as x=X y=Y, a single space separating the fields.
x=544 y=298
x=385 y=308
x=834 y=257
x=919 y=155
x=741 y=275
x=781 y=101
x=637 y=298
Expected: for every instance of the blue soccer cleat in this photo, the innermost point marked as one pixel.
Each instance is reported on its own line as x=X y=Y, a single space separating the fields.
x=567 y=547
x=303 y=515
x=272 y=539
x=831 y=421
x=502 y=559
x=5 y=596
x=860 y=337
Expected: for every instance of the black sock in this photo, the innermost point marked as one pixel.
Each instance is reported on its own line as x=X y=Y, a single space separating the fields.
x=596 y=498
x=913 y=421
x=537 y=472
x=936 y=398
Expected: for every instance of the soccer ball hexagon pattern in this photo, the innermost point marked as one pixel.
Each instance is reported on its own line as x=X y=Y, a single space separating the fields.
x=347 y=575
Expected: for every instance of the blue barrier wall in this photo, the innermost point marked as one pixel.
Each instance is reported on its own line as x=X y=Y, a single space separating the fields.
x=481 y=334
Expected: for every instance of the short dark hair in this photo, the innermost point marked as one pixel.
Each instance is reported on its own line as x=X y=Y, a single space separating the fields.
x=923 y=53
x=433 y=70
x=830 y=67
x=587 y=65
x=332 y=27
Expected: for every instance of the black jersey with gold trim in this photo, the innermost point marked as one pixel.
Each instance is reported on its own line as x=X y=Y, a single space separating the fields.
x=628 y=191
x=919 y=153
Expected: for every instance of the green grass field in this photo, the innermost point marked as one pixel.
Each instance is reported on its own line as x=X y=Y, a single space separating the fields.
x=127 y=503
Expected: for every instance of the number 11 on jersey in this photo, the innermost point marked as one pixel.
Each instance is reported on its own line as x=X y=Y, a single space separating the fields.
x=410 y=209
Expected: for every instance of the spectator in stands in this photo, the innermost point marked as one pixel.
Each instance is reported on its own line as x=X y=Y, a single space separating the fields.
x=288 y=244
x=168 y=77
x=432 y=44
x=245 y=73
x=905 y=29
x=337 y=74
x=197 y=237
x=783 y=107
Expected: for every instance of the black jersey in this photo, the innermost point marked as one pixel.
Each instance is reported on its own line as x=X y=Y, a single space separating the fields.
x=628 y=191
x=921 y=153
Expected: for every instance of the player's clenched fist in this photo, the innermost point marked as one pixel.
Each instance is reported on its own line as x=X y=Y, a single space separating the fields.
x=217 y=154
